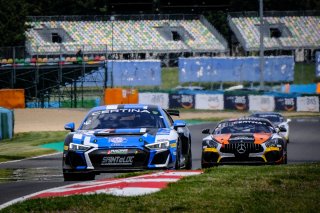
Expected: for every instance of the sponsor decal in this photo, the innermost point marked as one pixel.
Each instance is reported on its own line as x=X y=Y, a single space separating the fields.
x=179 y=100
x=118 y=140
x=77 y=136
x=117 y=161
x=241 y=138
x=187 y=101
x=109 y=111
x=311 y=103
x=173 y=145
x=240 y=102
x=236 y=102
x=117 y=151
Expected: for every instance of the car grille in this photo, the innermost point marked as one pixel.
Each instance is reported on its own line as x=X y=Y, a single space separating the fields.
x=140 y=159
x=249 y=148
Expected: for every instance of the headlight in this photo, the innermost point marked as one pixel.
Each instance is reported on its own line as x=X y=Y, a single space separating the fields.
x=273 y=143
x=210 y=143
x=78 y=147
x=158 y=145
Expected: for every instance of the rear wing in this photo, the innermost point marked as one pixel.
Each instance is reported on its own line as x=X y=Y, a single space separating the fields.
x=173 y=112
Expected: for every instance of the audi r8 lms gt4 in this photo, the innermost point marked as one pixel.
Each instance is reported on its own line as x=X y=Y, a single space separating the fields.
x=129 y=137
x=243 y=140
x=277 y=119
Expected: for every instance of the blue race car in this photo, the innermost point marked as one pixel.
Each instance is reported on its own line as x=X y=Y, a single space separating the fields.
x=131 y=137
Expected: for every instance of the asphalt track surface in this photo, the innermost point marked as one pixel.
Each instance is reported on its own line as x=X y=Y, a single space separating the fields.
x=37 y=174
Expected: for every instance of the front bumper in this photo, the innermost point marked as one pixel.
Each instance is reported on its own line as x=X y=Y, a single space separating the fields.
x=117 y=159
x=257 y=154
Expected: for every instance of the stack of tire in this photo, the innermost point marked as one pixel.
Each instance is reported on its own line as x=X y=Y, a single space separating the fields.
x=6 y=123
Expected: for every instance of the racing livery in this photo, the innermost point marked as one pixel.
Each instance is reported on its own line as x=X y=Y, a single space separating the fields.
x=277 y=119
x=128 y=137
x=243 y=140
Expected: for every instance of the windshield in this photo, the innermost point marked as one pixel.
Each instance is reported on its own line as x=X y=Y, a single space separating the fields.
x=272 y=118
x=123 y=119
x=243 y=127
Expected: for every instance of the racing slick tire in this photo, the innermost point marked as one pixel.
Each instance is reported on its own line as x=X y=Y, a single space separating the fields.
x=78 y=177
x=285 y=161
x=189 y=159
x=178 y=157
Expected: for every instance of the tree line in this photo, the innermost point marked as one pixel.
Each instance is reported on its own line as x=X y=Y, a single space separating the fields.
x=14 y=13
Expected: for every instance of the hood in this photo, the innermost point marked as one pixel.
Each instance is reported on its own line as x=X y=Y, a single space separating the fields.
x=257 y=138
x=118 y=137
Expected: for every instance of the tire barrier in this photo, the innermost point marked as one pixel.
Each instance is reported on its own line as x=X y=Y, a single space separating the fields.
x=6 y=123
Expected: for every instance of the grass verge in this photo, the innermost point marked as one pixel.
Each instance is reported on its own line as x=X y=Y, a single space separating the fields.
x=285 y=188
x=25 y=145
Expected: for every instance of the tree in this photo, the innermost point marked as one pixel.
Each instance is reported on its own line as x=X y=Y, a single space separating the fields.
x=12 y=22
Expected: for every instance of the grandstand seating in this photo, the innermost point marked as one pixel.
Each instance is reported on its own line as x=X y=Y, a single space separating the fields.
x=302 y=32
x=122 y=36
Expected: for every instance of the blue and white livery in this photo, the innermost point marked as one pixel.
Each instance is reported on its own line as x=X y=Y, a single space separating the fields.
x=128 y=137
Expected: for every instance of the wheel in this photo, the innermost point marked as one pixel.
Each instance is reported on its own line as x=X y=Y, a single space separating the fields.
x=178 y=157
x=78 y=176
x=285 y=161
x=189 y=159
x=70 y=176
x=88 y=176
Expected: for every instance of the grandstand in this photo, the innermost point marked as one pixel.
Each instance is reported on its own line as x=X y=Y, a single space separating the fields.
x=62 y=51
x=282 y=30
x=123 y=34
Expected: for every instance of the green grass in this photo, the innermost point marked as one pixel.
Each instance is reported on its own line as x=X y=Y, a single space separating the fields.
x=170 y=78
x=25 y=145
x=285 y=188
x=305 y=74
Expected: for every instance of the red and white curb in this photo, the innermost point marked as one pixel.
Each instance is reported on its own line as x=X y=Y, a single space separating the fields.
x=133 y=186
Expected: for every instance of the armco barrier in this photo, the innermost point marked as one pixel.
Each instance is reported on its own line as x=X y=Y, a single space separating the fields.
x=308 y=104
x=261 y=103
x=12 y=98
x=233 y=101
x=209 y=101
x=160 y=99
x=6 y=123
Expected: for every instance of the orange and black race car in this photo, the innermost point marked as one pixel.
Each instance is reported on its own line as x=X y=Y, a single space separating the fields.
x=244 y=140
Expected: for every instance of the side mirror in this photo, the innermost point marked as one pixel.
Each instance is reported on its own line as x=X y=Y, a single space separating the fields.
x=206 y=131
x=69 y=126
x=282 y=129
x=288 y=120
x=179 y=123
x=173 y=112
